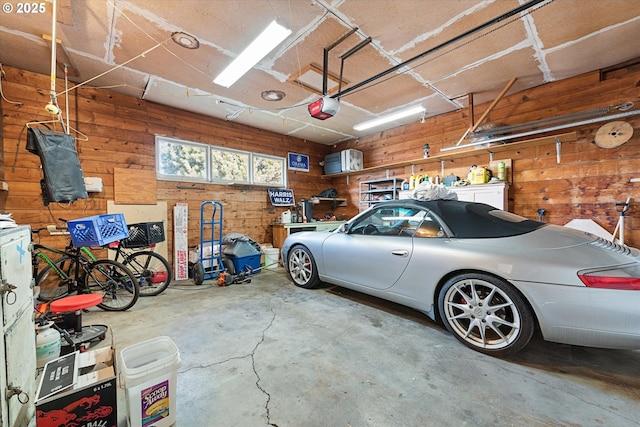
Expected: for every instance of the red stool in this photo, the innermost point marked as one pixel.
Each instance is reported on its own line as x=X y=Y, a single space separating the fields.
x=77 y=303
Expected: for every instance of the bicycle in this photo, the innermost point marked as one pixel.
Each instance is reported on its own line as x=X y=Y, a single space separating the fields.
x=75 y=272
x=152 y=270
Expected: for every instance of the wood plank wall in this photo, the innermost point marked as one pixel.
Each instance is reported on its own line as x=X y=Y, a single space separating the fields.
x=121 y=131
x=587 y=183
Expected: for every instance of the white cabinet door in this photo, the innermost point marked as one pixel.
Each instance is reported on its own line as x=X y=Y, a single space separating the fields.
x=20 y=347
x=465 y=194
x=495 y=195
x=15 y=270
x=18 y=343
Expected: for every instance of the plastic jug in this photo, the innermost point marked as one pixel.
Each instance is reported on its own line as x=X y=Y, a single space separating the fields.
x=479 y=175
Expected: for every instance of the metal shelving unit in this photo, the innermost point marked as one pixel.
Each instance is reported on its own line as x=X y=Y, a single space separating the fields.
x=378 y=190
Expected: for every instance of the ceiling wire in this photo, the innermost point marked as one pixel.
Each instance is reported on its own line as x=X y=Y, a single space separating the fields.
x=327 y=11
x=231 y=116
x=399 y=73
x=242 y=108
x=3 y=75
x=158 y=44
x=114 y=68
x=122 y=12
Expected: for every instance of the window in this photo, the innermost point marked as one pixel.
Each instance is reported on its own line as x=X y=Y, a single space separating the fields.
x=430 y=227
x=230 y=165
x=178 y=160
x=182 y=160
x=399 y=221
x=268 y=170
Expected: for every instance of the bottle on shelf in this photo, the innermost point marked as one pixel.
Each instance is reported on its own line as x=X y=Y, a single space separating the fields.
x=502 y=171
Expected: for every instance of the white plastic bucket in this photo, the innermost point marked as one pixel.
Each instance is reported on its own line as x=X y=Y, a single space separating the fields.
x=149 y=372
x=271 y=257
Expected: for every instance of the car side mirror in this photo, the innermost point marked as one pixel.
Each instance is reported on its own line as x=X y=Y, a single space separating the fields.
x=343 y=228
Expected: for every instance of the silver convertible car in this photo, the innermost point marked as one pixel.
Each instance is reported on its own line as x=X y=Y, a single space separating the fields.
x=492 y=277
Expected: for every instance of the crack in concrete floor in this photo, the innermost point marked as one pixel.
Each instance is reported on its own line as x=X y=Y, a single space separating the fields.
x=253 y=366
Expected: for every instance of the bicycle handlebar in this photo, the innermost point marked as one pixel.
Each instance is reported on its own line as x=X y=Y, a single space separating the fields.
x=49 y=228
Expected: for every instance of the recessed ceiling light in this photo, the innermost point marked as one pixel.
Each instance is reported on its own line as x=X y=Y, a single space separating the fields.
x=272 y=95
x=185 y=40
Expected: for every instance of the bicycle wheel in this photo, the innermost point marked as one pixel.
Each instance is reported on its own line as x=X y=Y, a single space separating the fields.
x=151 y=269
x=115 y=282
x=54 y=281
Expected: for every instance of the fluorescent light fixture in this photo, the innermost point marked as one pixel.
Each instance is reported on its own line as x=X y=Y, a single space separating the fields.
x=271 y=37
x=389 y=118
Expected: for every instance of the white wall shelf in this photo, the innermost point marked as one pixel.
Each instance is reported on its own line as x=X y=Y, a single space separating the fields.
x=465 y=152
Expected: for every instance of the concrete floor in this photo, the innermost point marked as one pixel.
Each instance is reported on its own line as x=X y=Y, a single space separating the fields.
x=271 y=354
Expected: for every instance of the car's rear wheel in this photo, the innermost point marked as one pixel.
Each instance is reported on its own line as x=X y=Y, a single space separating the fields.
x=302 y=267
x=486 y=314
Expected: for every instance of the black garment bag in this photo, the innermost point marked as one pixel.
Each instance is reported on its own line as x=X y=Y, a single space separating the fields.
x=63 y=179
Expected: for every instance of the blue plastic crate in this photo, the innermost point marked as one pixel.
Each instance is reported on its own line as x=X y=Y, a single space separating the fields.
x=249 y=263
x=98 y=230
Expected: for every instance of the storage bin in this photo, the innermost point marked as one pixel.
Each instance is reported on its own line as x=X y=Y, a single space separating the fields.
x=332 y=163
x=149 y=372
x=241 y=248
x=98 y=230
x=246 y=263
x=144 y=234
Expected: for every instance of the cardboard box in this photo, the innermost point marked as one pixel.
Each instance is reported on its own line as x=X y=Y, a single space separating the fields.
x=90 y=401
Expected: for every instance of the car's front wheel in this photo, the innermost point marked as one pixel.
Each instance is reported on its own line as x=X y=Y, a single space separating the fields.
x=486 y=314
x=302 y=267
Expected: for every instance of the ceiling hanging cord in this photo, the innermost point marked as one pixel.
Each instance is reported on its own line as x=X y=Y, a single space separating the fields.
x=52 y=107
x=66 y=93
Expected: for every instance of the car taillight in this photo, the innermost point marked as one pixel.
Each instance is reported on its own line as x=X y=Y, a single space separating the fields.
x=624 y=279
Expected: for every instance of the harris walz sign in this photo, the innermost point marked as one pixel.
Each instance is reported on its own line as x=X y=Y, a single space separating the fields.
x=281 y=197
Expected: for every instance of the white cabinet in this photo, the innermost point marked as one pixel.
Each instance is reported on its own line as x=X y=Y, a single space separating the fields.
x=18 y=344
x=496 y=195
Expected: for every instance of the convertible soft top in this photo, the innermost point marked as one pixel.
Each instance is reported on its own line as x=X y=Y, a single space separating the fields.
x=469 y=220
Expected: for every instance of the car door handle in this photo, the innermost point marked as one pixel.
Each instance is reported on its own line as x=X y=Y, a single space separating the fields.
x=400 y=252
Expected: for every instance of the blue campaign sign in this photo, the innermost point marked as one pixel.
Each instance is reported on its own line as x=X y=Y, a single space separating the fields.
x=281 y=197
x=298 y=162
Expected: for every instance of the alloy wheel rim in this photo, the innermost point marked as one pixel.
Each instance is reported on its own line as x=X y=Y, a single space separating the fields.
x=300 y=266
x=482 y=314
